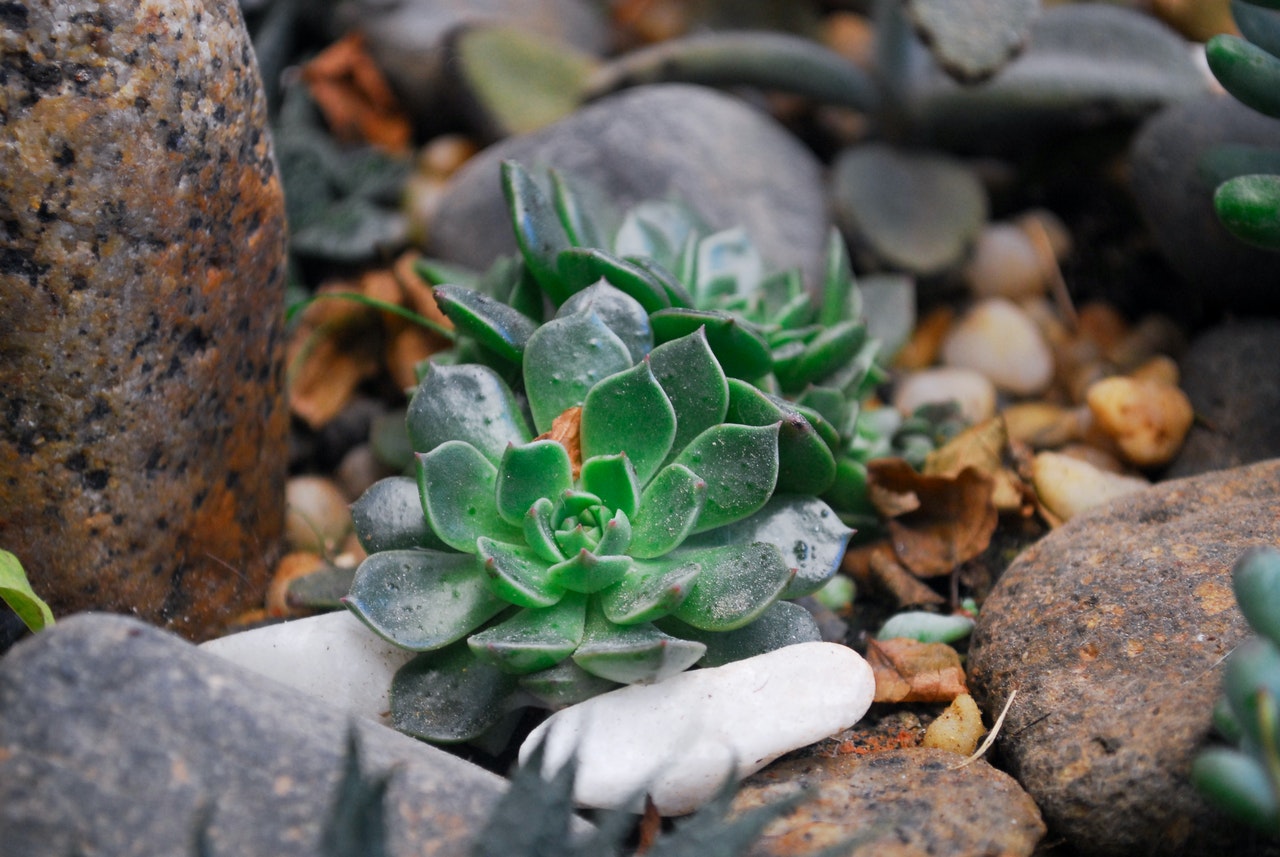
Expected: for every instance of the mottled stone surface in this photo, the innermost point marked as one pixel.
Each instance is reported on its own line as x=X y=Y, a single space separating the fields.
x=1231 y=374
x=910 y=802
x=114 y=735
x=731 y=163
x=142 y=239
x=1112 y=629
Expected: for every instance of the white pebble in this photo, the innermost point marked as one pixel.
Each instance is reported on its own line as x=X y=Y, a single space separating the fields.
x=972 y=390
x=679 y=739
x=1068 y=486
x=1001 y=341
x=333 y=657
x=1005 y=263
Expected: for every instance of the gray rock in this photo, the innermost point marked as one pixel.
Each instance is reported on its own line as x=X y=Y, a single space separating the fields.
x=406 y=38
x=909 y=802
x=115 y=737
x=1232 y=376
x=1175 y=196
x=1112 y=629
x=733 y=164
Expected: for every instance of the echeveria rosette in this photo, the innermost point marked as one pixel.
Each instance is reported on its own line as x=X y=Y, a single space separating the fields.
x=537 y=579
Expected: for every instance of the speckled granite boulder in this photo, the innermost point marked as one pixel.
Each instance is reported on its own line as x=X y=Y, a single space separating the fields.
x=142 y=443
x=115 y=737
x=1113 y=629
x=911 y=802
x=733 y=164
x=1231 y=374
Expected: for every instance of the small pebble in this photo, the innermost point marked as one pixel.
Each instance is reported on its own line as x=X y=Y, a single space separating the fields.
x=958 y=728
x=1148 y=420
x=317 y=518
x=291 y=567
x=679 y=739
x=1068 y=486
x=972 y=390
x=1043 y=425
x=1005 y=263
x=1001 y=341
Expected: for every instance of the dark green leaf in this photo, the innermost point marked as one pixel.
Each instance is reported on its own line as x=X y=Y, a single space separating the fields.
x=739 y=465
x=528 y=472
x=497 y=326
x=1256 y=580
x=581 y=267
x=737 y=345
x=629 y=412
x=784 y=623
x=468 y=403
x=620 y=313
x=1249 y=206
x=1239 y=784
x=356 y=825
x=805 y=463
x=450 y=696
x=389 y=516
x=1246 y=71
x=695 y=384
x=1259 y=24
x=564 y=684
x=458 y=486
x=539 y=233
x=564 y=359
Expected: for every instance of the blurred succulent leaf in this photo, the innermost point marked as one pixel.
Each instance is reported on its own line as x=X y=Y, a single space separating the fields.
x=1259 y=22
x=468 y=403
x=620 y=312
x=420 y=599
x=350 y=230
x=564 y=359
x=784 y=623
x=1239 y=784
x=564 y=684
x=889 y=302
x=736 y=584
x=533 y=639
x=1247 y=71
x=458 y=487
x=727 y=255
x=586 y=212
x=925 y=627
x=540 y=235
x=497 y=326
x=389 y=516
x=450 y=696
x=739 y=348
x=16 y=591
x=1253 y=672
x=1255 y=577
x=973 y=39
x=1249 y=206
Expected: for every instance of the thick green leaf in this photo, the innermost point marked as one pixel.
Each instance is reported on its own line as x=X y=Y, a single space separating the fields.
x=659 y=230
x=629 y=412
x=517 y=574
x=529 y=472
x=739 y=465
x=539 y=232
x=420 y=599
x=669 y=507
x=564 y=684
x=633 y=654
x=653 y=589
x=389 y=516
x=539 y=531
x=1249 y=206
x=1246 y=71
x=1239 y=784
x=533 y=640
x=1252 y=673
x=587 y=572
x=457 y=486
x=830 y=350
x=564 y=359
x=581 y=267
x=15 y=590
x=496 y=325
x=613 y=480
x=839 y=291
x=586 y=212
x=468 y=403
x=926 y=627
x=322 y=589
x=1258 y=24
x=695 y=384
x=809 y=535
x=621 y=313
x=676 y=294
x=737 y=345
x=737 y=583
x=784 y=623
x=450 y=696
x=1255 y=577
x=805 y=462
x=616 y=538
x=437 y=272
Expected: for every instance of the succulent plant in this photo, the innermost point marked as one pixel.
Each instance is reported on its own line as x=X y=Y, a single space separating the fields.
x=605 y=519
x=1245 y=780
x=1248 y=66
x=790 y=359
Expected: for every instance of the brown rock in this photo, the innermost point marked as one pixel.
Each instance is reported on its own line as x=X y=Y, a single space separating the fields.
x=141 y=282
x=1113 y=629
x=897 y=803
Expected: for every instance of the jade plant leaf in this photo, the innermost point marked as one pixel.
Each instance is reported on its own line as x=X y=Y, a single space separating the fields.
x=458 y=487
x=420 y=599
x=496 y=325
x=629 y=412
x=669 y=507
x=587 y=572
x=653 y=589
x=564 y=359
x=784 y=623
x=809 y=534
x=739 y=464
x=740 y=349
x=16 y=591
x=533 y=639
x=564 y=684
x=468 y=403
x=619 y=311
x=694 y=383
x=1246 y=71
x=613 y=480
x=517 y=574
x=450 y=695
x=529 y=472
x=388 y=516
x=581 y=267
x=1249 y=206
x=633 y=654
x=805 y=462
x=539 y=233
x=1238 y=783
x=736 y=584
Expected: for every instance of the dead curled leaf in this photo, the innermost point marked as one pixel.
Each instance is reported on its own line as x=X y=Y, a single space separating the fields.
x=983 y=447
x=875 y=567
x=910 y=671
x=355 y=98
x=565 y=430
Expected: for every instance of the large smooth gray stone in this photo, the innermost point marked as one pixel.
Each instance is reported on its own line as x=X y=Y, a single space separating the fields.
x=116 y=736
x=733 y=164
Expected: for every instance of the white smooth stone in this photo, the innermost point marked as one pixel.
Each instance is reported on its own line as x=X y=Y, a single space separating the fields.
x=332 y=656
x=1002 y=342
x=972 y=390
x=1005 y=263
x=1069 y=486
x=680 y=738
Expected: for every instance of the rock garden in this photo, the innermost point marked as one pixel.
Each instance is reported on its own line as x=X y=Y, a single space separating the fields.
x=622 y=427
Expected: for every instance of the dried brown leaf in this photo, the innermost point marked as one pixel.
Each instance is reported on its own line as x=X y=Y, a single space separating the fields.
x=910 y=671
x=565 y=430
x=875 y=567
x=355 y=98
x=982 y=447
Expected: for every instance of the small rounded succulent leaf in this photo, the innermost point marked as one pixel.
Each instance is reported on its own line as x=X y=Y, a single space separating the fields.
x=517 y=574
x=736 y=584
x=1239 y=784
x=620 y=313
x=458 y=488
x=613 y=479
x=805 y=462
x=528 y=473
x=1253 y=671
x=1256 y=580
x=669 y=509
x=652 y=590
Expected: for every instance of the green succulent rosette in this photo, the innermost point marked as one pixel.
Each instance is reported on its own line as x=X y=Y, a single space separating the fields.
x=527 y=574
